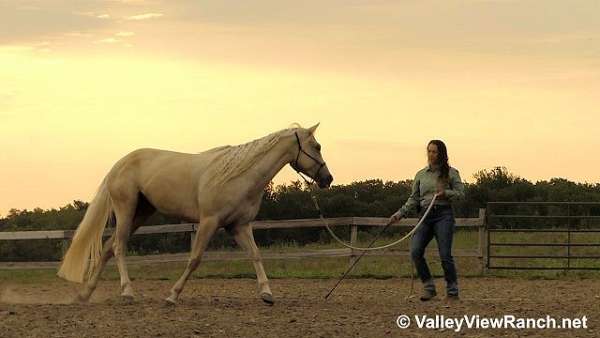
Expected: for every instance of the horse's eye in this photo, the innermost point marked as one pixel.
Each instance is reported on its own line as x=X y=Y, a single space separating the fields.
x=318 y=147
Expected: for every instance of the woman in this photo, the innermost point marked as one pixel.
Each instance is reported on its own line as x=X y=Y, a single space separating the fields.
x=439 y=179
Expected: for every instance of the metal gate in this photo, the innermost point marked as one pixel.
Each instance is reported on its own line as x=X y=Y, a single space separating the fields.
x=543 y=235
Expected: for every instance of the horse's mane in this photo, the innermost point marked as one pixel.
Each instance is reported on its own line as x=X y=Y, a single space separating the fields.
x=235 y=160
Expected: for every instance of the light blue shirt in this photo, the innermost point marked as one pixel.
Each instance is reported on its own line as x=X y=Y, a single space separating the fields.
x=425 y=186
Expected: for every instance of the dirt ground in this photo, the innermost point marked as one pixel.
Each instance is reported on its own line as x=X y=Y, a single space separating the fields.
x=230 y=308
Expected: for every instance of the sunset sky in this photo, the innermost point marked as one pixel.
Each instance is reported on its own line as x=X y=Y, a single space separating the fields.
x=502 y=82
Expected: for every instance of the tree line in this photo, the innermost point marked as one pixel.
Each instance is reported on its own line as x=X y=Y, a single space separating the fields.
x=372 y=198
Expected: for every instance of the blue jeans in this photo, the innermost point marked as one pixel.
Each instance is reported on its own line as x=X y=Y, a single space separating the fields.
x=441 y=225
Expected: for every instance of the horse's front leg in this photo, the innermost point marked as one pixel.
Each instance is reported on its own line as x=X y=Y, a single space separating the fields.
x=206 y=229
x=245 y=238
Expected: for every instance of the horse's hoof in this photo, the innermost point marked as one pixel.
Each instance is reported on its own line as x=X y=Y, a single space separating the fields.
x=267 y=298
x=80 y=299
x=127 y=299
x=170 y=302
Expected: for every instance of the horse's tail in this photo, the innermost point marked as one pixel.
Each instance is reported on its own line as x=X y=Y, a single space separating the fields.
x=86 y=247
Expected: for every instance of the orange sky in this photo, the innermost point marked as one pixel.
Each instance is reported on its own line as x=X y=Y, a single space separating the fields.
x=502 y=82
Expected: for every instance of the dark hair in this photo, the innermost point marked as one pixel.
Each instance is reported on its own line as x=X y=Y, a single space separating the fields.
x=442 y=160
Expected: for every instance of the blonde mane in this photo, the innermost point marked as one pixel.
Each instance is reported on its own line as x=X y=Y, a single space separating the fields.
x=235 y=160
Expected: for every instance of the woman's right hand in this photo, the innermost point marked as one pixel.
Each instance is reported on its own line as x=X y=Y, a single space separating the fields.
x=395 y=217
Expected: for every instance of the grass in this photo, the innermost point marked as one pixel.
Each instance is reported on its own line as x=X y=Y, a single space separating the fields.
x=369 y=266
x=315 y=268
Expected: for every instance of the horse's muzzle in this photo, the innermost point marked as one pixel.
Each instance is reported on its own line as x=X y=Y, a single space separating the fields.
x=325 y=182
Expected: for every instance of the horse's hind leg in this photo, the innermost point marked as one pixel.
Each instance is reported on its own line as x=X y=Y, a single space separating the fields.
x=245 y=238
x=90 y=286
x=143 y=211
x=206 y=229
x=124 y=208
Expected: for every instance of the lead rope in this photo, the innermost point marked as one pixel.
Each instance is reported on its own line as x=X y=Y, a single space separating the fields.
x=364 y=250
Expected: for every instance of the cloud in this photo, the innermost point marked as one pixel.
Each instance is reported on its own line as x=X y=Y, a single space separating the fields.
x=93 y=15
x=125 y=34
x=566 y=37
x=23 y=26
x=114 y=42
x=108 y=40
x=145 y=16
x=15 y=48
x=127 y=1
x=28 y=8
x=78 y=34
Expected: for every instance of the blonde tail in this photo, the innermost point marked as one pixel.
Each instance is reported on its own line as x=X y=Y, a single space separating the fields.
x=86 y=247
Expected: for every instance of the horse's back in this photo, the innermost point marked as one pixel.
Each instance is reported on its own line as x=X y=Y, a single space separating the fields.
x=157 y=160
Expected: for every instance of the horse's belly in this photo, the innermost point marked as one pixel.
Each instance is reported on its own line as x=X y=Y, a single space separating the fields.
x=171 y=196
x=171 y=204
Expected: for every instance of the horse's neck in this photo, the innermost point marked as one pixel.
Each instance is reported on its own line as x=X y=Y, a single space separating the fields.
x=270 y=164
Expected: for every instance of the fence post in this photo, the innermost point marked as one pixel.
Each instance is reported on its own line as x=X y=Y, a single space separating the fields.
x=192 y=235
x=64 y=245
x=482 y=240
x=353 y=238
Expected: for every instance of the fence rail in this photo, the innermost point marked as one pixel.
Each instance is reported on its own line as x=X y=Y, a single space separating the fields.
x=486 y=224
x=477 y=223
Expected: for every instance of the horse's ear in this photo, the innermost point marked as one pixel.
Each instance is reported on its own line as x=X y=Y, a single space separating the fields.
x=312 y=129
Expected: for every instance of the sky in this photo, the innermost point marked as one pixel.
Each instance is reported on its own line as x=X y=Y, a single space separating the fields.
x=501 y=82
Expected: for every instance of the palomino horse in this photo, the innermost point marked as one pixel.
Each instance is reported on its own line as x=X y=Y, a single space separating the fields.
x=220 y=187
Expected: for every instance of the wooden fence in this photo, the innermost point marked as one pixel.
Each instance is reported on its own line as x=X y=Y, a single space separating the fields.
x=476 y=223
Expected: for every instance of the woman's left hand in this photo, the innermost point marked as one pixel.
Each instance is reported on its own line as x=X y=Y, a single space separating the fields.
x=440 y=191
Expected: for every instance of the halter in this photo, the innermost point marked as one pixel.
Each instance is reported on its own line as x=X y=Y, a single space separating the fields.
x=295 y=163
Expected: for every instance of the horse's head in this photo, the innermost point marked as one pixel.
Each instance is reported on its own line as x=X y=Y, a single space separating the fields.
x=308 y=159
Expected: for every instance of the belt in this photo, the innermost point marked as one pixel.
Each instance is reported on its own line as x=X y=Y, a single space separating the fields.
x=441 y=207
x=435 y=208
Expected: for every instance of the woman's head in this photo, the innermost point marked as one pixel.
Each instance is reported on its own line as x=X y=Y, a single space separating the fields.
x=437 y=155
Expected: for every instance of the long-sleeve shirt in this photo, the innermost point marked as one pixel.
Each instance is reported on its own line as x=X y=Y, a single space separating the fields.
x=425 y=186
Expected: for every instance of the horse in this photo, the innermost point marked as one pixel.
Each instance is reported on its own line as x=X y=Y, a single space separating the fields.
x=218 y=188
